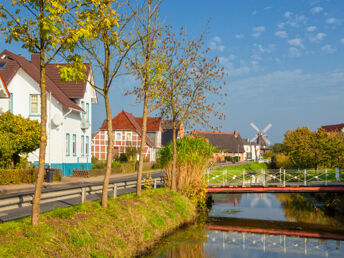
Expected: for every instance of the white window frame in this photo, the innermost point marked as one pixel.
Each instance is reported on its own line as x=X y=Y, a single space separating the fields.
x=117 y=133
x=38 y=105
x=129 y=138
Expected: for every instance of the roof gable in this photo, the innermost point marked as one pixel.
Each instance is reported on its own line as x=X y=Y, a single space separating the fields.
x=16 y=62
x=333 y=128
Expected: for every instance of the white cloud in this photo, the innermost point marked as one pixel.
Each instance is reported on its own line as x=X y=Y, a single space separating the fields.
x=296 y=42
x=342 y=40
x=239 y=36
x=281 y=34
x=328 y=49
x=311 y=28
x=317 y=9
x=321 y=36
x=281 y=25
x=256 y=57
x=333 y=21
x=215 y=44
x=267 y=8
x=268 y=50
x=294 y=52
x=231 y=69
x=294 y=20
x=254 y=12
x=257 y=31
x=287 y=14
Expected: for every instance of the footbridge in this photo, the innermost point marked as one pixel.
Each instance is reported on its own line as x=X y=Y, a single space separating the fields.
x=275 y=181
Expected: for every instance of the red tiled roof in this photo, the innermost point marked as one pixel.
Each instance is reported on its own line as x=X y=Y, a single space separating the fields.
x=204 y=132
x=153 y=123
x=33 y=71
x=333 y=128
x=126 y=121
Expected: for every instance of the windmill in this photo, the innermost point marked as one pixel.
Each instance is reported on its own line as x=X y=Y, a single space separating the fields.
x=261 y=136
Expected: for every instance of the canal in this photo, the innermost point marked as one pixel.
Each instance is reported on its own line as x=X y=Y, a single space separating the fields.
x=260 y=225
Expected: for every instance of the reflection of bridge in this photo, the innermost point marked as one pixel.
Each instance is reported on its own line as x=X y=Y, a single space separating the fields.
x=278 y=242
x=274 y=181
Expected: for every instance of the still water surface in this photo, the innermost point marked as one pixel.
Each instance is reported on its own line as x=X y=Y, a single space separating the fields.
x=226 y=231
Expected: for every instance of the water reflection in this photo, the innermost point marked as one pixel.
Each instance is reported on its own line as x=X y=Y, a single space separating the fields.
x=258 y=225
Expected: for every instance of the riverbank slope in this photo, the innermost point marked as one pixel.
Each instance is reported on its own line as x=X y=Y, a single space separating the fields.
x=127 y=228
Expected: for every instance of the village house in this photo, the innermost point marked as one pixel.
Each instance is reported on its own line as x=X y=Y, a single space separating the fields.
x=127 y=131
x=252 y=150
x=228 y=144
x=337 y=128
x=69 y=109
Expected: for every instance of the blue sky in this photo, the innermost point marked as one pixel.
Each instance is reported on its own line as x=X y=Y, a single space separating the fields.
x=284 y=59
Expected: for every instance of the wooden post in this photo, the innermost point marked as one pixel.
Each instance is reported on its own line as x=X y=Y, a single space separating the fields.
x=115 y=191
x=155 y=182
x=83 y=195
x=284 y=177
x=243 y=177
x=305 y=178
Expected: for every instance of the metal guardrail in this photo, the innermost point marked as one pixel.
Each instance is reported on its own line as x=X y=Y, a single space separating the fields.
x=24 y=199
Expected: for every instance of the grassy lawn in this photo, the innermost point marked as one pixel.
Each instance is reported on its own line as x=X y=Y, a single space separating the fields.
x=219 y=175
x=126 y=228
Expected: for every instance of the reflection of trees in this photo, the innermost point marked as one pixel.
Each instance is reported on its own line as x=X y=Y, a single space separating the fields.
x=186 y=251
x=233 y=199
x=298 y=208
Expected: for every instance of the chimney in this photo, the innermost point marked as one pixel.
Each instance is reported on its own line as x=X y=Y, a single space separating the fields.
x=35 y=59
x=236 y=133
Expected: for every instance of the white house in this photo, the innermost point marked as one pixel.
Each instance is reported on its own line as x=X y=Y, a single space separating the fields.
x=69 y=109
x=252 y=150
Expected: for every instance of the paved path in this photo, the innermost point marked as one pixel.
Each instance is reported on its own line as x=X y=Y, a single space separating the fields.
x=66 y=181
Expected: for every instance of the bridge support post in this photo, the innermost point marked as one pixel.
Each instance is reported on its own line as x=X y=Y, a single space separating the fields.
x=325 y=176
x=155 y=182
x=305 y=178
x=280 y=174
x=263 y=171
x=284 y=177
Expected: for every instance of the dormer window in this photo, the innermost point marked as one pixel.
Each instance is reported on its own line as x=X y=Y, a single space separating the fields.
x=2 y=65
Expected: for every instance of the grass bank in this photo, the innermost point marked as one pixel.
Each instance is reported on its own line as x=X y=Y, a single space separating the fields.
x=127 y=228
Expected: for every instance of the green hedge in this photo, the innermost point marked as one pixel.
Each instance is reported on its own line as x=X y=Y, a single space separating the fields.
x=23 y=176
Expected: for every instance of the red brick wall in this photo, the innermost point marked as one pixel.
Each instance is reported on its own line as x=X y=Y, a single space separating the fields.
x=100 y=141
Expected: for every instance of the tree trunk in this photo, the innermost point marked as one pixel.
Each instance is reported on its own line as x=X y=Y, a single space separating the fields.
x=42 y=144
x=109 y=152
x=174 y=159
x=143 y=144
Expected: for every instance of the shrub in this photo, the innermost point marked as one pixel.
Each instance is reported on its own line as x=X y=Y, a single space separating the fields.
x=280 y=160
x=193 y=156
x=23 y=176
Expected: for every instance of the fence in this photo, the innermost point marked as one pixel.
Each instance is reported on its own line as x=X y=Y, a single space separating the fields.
x=24 y=199
x=271 y=177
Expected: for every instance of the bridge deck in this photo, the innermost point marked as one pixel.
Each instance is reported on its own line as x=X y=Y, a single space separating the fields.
x=276 y=189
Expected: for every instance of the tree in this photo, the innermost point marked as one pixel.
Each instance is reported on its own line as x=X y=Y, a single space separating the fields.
x=18 y=135
x=193 y=85
x=300 y=146
x=43 y=28
x=277 y=148
x=147 y=66
x=109 y=41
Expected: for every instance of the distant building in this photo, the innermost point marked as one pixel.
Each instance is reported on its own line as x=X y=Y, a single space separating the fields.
x=69 y=109
x=167 y=131
x=337 y=128
x=228 y=144
x=252 y=150
x=127 y=131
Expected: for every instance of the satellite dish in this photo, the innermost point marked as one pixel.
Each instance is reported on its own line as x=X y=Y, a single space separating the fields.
x=57 y=120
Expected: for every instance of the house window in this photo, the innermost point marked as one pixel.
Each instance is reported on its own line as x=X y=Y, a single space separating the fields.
x=87 y=145
x=74 y=144
x=128 y=136
x=10 y=107
x=67 y=144
x=82 y=145
x=87 y=112
x=83 y=108
x=118 y=136
x=34 y=104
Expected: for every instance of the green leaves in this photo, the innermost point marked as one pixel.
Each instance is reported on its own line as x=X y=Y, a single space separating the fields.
x=18 y=135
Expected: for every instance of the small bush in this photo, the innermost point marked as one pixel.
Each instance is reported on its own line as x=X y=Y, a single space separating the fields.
x=23 y=176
